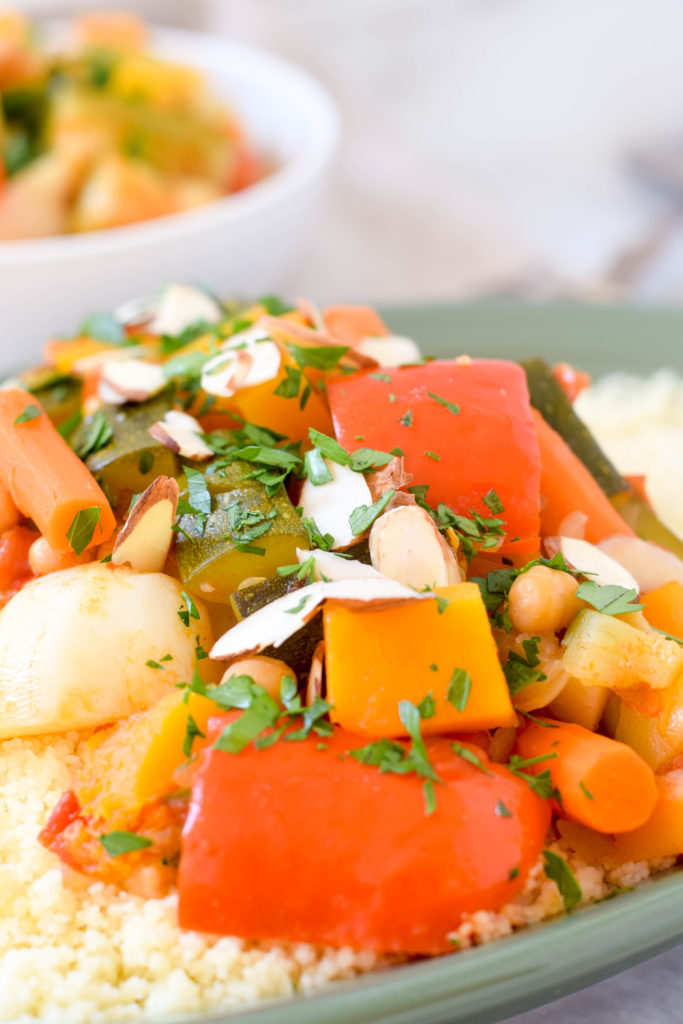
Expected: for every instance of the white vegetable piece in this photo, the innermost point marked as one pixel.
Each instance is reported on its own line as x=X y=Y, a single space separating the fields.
x=406 y=546
x=180 y=306
x=135 y=380
x=331 y=504
x=250 y=357
x=330 y=567
x=277 y=621
x=390 y=350
x=74 y=646
x=181 y=433
x=145 y=540
x=649 y=564
x=599 y=567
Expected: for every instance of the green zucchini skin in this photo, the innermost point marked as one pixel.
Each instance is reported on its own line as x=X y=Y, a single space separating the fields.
x=118 y=465
x=250 y=598
x=547 y=396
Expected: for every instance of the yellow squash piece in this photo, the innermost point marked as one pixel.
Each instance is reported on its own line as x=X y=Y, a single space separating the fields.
x=374 y=659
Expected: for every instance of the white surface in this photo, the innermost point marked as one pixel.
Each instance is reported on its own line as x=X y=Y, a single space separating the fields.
x=242 y=244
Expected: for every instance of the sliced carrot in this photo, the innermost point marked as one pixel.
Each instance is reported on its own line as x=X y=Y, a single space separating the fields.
x=602 y=783
x=47 y=481
x=350 y=324
x=567 y=486
x=664 y=608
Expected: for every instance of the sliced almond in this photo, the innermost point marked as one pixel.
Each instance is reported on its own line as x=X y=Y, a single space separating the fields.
x=104 y=394
x=314 y=686
x=180 y=306
x=86 y=365
x=329 y=567
x=392 y=476
x=136 y=311
x=135 y=380
x=180 y=433
x=390 y=350
x=406 y=546
x=588 y=560
x=249 y=358
x=287 y=329
x=145 y=540
x=331 y=504
x=282 y=618
x=312 y=313
x=649 y=564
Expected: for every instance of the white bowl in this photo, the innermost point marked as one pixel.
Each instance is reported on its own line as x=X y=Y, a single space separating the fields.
x=240 y=245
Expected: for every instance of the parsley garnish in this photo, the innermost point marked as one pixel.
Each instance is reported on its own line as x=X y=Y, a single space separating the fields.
x=31 y=412
x=459 y=688
x=359 y=461
x=304 y=571
x=103 y=327
x=557 y=869
x=119 y=842
x=513 y=873
x=380 y=376
x=274 y=305
x=542 y=784
x=315 y=468
x=145 y=462
x=609 y=600
x=299 y=607
x=584 y=789
x=246 y=524
x=362 y=518
x=315 y=538
x=468 y=755
x=432 y=455
x=493 y=503
x=82 y=528
x=189 y=612
x=192 y=732
x=99 y=434
x=521 y=670
x=324 y=357
x=198 y=492
x=451 y=406
x=406 y=419
x=502 y=811
x=261 y=712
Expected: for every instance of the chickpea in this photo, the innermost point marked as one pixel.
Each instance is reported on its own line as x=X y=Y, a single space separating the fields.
x=542 y=600
x=267 y=672
x=44 y=559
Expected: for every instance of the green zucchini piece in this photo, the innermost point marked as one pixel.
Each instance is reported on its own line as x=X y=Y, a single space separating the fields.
x=247 y=533
x=547 y=396
x=257 y=595
x=129 y=462
x=59 y=394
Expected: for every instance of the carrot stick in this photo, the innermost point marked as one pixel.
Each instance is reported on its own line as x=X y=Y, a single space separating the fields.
x=664 y=608
x=46 y=479
x=566 y=485
x=350 y=324
x=602 y=783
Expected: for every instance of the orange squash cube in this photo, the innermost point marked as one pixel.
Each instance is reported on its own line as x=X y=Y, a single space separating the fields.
x=374 y=659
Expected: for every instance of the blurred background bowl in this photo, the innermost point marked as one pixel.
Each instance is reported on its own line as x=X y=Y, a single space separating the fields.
x=239 y=245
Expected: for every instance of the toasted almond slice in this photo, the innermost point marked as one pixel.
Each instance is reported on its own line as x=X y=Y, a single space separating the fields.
x=597 y=565
x=134 y=379
x=105 y=394
x=287 y=329
x=406 y=546
x=393 y=476
x=649 y=564
x=136 y=311
x=331 y=504
x=329 y=567
x=314 y=686
x=146 y=537
x=180 y=433
x=248 y=358
x=390 y=350
x=312 y=313
x=179 y=306
x=86 y=365
x=282 y=618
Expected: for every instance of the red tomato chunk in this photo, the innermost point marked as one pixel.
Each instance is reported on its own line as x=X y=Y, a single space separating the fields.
x=301 y=844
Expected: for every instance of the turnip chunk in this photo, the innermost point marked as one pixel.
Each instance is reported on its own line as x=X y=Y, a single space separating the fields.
x=331 y=504
x=181 y=306
x=390 y=350
x=277 y=621
x=650 y=565
x=589 y=560
x=406 y=546
x=77 y=648
x=330 y=567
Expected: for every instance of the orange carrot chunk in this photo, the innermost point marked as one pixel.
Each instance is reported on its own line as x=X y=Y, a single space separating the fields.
x=567 y=486
x=664 y=608
x=602 y=783
x=47 y=481
x=350 y=324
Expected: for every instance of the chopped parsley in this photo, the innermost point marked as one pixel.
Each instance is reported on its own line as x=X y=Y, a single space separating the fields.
x=468 y=755
x=304 y=571
x=451 y=406
x=542 y=784
x=145 y=461
x=502 y=811
x=291 y=385
x=493 y=503
x=513 y=873
x=380 y=376
x=520 y=670
x=31 y=412
x=584 y=789
x=192 y=732
x=459 y=688
x=610 y=600
x=104 y=327
x=298 y=607
x=315 y=468
x=198 y=492
x=362 y=518
x=324 y=357
x=119 y=842
x=98 y=434
x=246 y=524
x=359 y=461
x=557 y=869
x=432 y=455
x=82 y=528
x=406 y=419
x=189 y=611
x=315 y=538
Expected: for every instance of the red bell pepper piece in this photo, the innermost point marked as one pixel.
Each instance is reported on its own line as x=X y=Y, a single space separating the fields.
x=489 y=443
x=300 y=844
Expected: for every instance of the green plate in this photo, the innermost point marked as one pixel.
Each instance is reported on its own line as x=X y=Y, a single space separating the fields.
x=558 y=956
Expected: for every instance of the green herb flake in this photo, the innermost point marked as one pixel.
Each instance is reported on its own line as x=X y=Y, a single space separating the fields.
x=380 y=376
x=610 y=600
x=468 y=755
x=406 y=419
x=98 y=434
x=427 y=707
x=362 y=518
x=557 y=869
x=434 y=667
x=513 y=873
x=325 y=357
x=192 y=732
x=298 y=607
x=451 y=406
x=397 y=452
x=145 y=461
x=315 y=468
x=104 y=327
x=31 y=412
x=584 y=789
x=493 y=503
x=154 y=664
x=189 y=612
x=291 y=385
x=432 y=455
x=82 y=528
x=119 y=842
x=459 y=688
x=502 y=811
x=521 y=670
